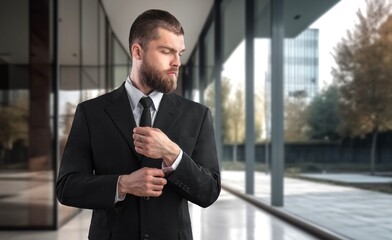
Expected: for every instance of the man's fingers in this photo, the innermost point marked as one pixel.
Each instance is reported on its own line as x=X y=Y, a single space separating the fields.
x=159 y=181
x=145 y=182
x=141 y=130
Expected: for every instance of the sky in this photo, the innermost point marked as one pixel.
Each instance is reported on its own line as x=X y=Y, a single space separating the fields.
x=333 y=26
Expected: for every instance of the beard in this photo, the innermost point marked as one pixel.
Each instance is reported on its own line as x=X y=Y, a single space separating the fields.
x=157 y=80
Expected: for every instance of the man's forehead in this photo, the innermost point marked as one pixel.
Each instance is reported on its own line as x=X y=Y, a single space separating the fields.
x=170 y=40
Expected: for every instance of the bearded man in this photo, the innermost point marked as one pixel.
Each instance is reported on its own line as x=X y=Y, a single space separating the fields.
x=136 y=156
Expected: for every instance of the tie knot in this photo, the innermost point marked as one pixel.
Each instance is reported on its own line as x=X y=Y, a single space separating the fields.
x=146 y=102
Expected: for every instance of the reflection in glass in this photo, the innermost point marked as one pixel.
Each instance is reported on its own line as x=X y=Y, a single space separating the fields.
x=26 y=176
x=120 y=62
x=208 y=70
x=231 y=218
x=332 y=106
x=337 y=105
x=85 y=69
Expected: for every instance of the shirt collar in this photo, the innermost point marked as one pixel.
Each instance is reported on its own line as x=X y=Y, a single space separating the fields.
x=135 y=95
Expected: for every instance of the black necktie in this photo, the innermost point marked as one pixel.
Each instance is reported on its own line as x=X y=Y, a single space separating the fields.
x=145 y=119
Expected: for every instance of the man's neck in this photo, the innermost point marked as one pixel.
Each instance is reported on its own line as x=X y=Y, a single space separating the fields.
x=136 y=82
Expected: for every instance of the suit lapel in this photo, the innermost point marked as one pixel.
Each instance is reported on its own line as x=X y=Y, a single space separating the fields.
x=120 y=113
x=168 y=113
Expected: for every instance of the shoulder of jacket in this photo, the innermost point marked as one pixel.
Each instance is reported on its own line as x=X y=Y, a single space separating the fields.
x=186 y=102
x=104 y=98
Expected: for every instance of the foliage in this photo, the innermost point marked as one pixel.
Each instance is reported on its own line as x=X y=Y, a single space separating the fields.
x=236 y=117
x=295 y=120
x=210 y=102
x=233 y=111
x=13 y=124
x=260 y=117
x=323 y=118
x=364 y=73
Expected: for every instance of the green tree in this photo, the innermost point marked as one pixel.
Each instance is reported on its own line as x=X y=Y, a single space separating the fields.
x=210 y=102
x=236 y=120
x=295 y=120
x=323 y=119
x=233 y=113
x=364 y=75
x=260 y=111
x=13 y=123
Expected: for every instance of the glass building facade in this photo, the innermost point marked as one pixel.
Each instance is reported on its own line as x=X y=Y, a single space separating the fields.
x=278 y=104
x=301 y=66
x=265 y=68
x=53 y=55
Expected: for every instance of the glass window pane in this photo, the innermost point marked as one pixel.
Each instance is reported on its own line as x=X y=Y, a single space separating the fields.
x=337 y=112
x=120 y=63
x=208 y=68
x=26 y=174
x=70 y=80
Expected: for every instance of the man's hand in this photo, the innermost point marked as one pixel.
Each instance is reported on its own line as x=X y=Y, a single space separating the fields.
x=145 y=182
x=153 y=143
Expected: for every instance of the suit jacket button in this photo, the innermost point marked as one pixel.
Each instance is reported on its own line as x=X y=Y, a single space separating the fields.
x=146 y=236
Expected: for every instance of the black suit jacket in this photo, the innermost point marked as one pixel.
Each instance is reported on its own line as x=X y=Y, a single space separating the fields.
x=100 y=148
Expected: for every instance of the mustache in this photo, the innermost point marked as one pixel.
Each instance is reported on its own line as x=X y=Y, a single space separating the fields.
x=174 y=70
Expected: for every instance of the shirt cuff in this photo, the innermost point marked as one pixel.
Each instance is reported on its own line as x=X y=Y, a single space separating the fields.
x=168 y=169
x=118 y=197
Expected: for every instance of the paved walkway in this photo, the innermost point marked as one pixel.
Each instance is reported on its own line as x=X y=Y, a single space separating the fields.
x=349 y=212
x=349 y=178
x=229 y=218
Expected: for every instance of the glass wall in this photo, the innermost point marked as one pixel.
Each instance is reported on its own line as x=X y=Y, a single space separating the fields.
x=191 y=72
x=91 y=62
x=337 y=113
x=26 y=116
x=262 y=92
x=335 y=94
x=91 y=49
x=30 y=87
x=233 y=90
x=121 y=62
x=208 y=68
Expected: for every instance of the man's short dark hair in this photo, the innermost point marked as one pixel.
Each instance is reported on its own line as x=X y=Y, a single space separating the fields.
x=145 y=27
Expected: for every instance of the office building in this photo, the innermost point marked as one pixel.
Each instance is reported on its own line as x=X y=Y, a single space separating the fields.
x=57 y=53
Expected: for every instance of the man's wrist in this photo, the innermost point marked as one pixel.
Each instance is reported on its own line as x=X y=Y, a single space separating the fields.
x=120 y=195
x=172 y=155
x=168 y=169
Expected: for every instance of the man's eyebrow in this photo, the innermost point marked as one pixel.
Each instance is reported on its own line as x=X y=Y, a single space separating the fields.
x=171 y=49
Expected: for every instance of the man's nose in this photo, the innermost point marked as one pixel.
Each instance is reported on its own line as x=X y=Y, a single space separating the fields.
x=176 y=61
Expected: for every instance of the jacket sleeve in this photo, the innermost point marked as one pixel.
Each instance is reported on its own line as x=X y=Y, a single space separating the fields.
x=77 y=185
x=197 y=177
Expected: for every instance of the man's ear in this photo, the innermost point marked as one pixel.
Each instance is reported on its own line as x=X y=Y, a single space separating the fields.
x=136 y=51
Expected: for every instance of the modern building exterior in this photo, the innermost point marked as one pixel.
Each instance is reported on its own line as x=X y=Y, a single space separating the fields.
x=301 y=65
x=53 y=55
x=57 y=53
